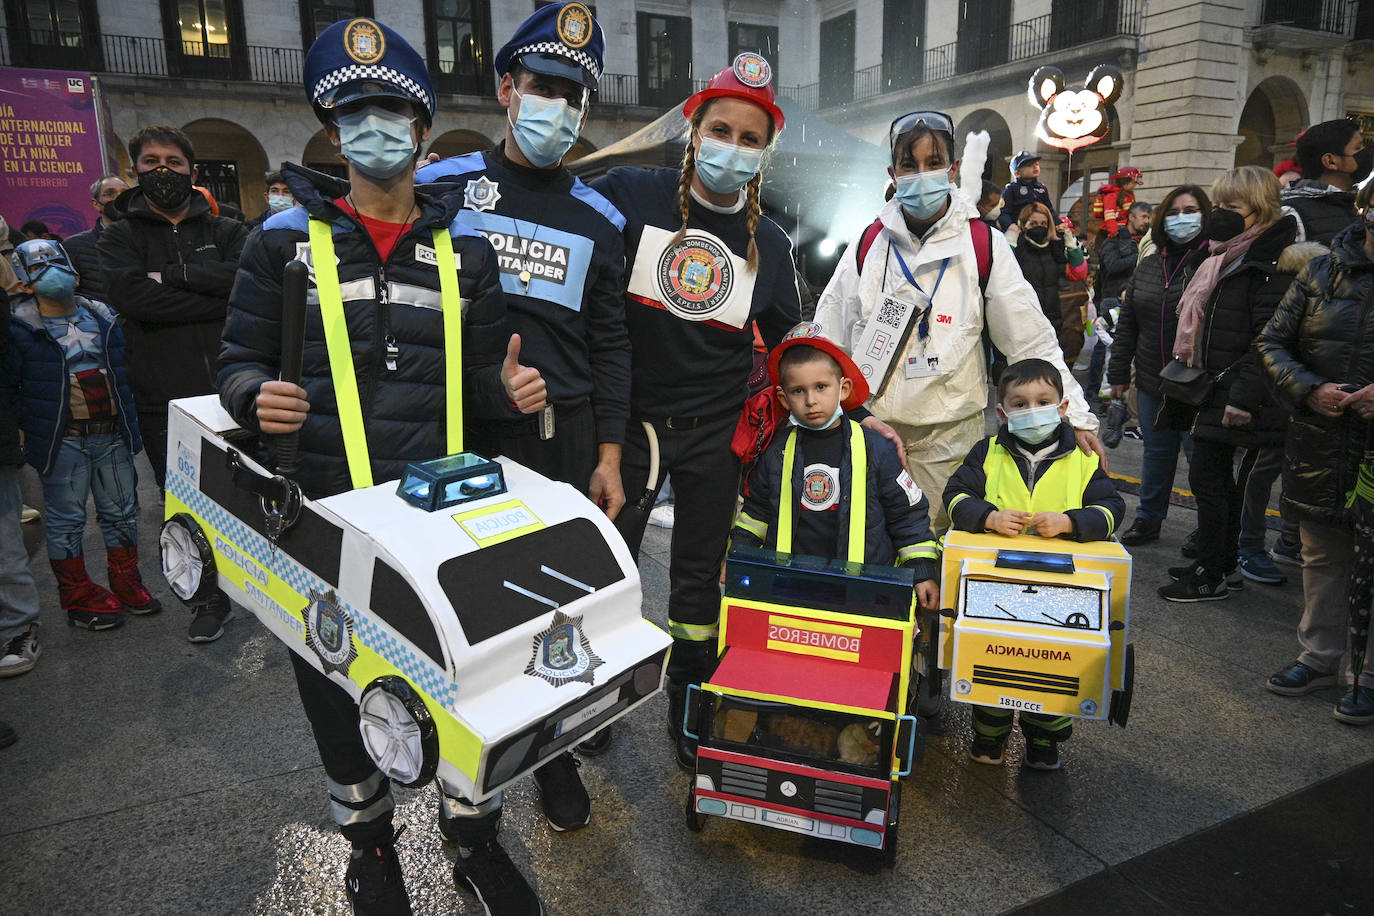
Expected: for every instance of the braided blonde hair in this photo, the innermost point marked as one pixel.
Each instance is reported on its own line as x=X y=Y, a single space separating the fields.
x=753 y=208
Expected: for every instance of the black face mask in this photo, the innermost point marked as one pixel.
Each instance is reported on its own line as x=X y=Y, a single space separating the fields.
x=1038 y=235
x=1224 y=225
x=1364 y=163
x=108 y=212
x=167 y=189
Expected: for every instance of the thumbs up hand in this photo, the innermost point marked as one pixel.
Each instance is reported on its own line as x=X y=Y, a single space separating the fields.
x=524 y=385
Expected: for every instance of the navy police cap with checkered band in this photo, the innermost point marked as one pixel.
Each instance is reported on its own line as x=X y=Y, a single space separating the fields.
x=356 y=58
x=562 y=39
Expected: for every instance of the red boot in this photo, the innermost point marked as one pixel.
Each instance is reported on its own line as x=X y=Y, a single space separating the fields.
x=87 y=604
x=127 y=584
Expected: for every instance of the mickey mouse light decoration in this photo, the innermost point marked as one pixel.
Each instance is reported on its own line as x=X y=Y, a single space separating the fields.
x=1074 y=118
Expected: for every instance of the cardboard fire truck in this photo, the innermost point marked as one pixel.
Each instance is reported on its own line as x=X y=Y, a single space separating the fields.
x=803 y=726
x=1037 y=624
x=483 y=617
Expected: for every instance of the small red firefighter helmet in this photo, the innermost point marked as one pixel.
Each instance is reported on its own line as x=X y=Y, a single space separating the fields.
x=808 y=334
x=750 y=78
x=1128 y=173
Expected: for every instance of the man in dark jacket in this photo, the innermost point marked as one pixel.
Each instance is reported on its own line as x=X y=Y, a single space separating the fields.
x=19 y=646
x=1319 y=352
x=83 y=248
x=278 y=198
x=1333 y=159
x=169 y=264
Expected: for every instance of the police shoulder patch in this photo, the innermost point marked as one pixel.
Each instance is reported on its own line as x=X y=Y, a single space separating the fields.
x=575 y=25
x=481 y=194
x=364 y=42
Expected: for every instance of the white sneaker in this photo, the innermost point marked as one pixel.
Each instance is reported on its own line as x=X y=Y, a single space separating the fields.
x=662 y=516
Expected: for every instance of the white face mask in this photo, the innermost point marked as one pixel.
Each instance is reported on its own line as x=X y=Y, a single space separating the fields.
x=792 y=418
x=991 y=215
x=1033 y=424
x=376 y=141
x=544 y=129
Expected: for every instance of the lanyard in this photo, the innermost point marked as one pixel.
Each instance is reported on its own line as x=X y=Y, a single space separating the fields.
x=923 y=321
x=341 y=352
x=858 y=492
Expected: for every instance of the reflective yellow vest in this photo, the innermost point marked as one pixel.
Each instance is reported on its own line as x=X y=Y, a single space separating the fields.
x=1059 y=489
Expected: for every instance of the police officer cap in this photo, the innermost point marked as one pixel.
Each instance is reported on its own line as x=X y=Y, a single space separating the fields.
x=562 y=39
x=1025 y=157
x=31 y=259
x=358 y=58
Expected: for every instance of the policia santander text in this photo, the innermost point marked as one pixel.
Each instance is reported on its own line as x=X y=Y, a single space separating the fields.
x=404 y=310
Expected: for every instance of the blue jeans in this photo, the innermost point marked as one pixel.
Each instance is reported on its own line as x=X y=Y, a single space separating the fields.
x=18 y=596
x=1160 y=460
x=99 y=466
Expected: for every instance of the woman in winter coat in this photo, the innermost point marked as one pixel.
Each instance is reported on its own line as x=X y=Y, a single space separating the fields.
x=1144 y=335
x=1319 y=352
x=1226 y=304
x=1040 y=250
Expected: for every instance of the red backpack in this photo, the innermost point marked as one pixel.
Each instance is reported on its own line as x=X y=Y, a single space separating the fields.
x=763 y=413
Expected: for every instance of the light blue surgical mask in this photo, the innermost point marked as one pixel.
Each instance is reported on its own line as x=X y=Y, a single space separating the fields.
x=377 y=142
x=1183 y=227
x=544 y=129
x=922 y=194
x=725 y=168
x=792 y=418
x=1034 y=424
x=279 y=202
x=55 y=283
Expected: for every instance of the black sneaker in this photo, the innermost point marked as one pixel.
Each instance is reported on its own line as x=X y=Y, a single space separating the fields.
x=986 y=749
x=1234 y=580
x=1298 y=679
x=1196 y=585
x=597 y=744
x=208 y=623
x=562 y=795
x=1042 y=754
x=374 y=882
x=489 y=873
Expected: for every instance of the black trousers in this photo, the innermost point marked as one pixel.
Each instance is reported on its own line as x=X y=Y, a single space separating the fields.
x=570 y=456
x=152 y=426
x=1219 y=488
x=705 y=484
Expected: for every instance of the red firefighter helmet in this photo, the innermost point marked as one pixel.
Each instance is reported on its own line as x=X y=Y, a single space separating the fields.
x=1128 y=173
x=750 y=78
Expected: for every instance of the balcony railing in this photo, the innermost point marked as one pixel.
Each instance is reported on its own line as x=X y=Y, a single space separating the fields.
x=1336 y=17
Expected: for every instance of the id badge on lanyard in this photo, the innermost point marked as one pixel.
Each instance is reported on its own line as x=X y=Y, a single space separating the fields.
x=924 y=364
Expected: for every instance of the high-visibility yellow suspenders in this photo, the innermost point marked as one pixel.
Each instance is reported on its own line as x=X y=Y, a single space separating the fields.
x=341 y=352
x=858 y=492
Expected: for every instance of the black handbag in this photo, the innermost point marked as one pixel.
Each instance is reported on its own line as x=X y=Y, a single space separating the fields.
x=1190 y=384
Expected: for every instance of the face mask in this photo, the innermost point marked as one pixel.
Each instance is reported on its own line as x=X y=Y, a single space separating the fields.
x=826 y=424
x=991 y=215
x=1038 y=234
x=1225 y=225
x=725 y=168
x=1364 y=163
x=924 y=193
x=1182 y=227
x=55 y=283
x=108 y=212
x=167 y=189
x=1034 y=424
x=377 y=142
x=545 y=129
x=279 y=202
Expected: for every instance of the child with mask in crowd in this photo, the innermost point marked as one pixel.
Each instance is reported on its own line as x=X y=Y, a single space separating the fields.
x=71 y=386
x=816 y=469
x=1031 y=478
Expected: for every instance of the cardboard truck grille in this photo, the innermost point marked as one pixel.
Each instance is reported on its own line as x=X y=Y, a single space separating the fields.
x=1037 y=681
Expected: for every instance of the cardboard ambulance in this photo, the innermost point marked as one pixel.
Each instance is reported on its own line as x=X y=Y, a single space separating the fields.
x=1037 y=624
x=484 y=617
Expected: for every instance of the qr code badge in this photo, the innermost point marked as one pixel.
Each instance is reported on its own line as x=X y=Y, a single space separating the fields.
x=891 y=312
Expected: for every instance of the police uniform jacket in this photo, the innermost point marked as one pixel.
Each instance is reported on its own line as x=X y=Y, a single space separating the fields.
x=1010 y=311
x=572 y=319
x=1016 y=195
x=966 y=493
x=403 y=408
x=174 y=323
x=36 y=373
x=1323 y=331
x=896 y=512
x=696 y=368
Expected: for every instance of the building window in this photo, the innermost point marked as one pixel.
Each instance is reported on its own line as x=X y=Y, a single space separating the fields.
x=984 y=34
x=458 y=41
x=762 y=39
x=318 y=15
x=205 y=38
x=204 y=28
x=665 y=59
x=60 y=34
x=904 y=33
x=837 y=60
x=221 y=176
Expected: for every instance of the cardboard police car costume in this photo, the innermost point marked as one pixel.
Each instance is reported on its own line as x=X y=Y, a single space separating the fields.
x=1037 y=624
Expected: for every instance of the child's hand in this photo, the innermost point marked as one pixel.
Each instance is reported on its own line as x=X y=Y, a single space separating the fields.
x=928 y=594
x=1051 y=524
x=1008 y=522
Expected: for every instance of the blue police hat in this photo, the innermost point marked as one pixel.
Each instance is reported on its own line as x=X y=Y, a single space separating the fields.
x=31 y=259
x=563 y=40
x=357 y=58
x=1025 y=157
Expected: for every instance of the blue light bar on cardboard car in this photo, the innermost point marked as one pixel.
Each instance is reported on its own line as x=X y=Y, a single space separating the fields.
x=1032 y=559
x=443 y=482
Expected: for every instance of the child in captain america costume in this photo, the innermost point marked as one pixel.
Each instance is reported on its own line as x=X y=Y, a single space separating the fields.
x=817 y=382
x=1031 y=477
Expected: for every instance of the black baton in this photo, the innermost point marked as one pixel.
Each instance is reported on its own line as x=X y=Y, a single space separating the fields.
x=295 y=278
